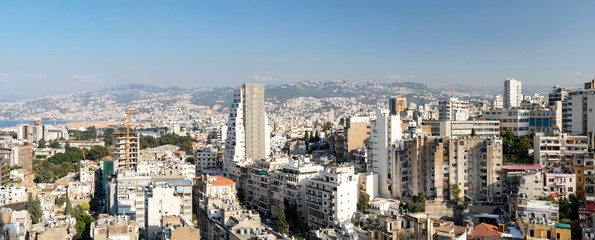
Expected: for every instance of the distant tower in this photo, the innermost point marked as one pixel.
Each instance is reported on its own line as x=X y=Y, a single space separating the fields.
x=397 y=105
x=513 y=93
x=248 y=133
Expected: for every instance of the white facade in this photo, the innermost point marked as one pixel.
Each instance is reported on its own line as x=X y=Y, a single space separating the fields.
x=497 y=102
x=12 y=194
x=578 y=115
x=385 y=130
x=557 y=151
x=453 y=110
x=248 y=137
x=332 y=197
x=161 y=202
x=513 y=93
x=514 y=120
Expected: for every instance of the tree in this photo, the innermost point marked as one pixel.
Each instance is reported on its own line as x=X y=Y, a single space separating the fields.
x=97 y=152
x=85 y=206
x=108 y=137
x=41 y=143
x=34 y=208
x=67 y=145
x=473 y=134
x=316 y=136
x=93 y=205
x=281 y=224
x=342 y=121
x=327 y=126
x=83 y=226
x=54 y=144
x=60 y=200
x=363 y=203
x=68 y=208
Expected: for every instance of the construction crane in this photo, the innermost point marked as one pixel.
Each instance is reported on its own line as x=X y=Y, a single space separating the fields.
x=128 y=112
x=81 y=142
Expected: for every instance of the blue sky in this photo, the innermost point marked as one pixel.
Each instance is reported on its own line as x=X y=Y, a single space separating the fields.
x=49 y=47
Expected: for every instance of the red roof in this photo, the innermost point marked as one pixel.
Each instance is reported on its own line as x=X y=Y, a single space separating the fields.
x=486 y=230
x=221 y=180
x=522 y=167
x=554 y=195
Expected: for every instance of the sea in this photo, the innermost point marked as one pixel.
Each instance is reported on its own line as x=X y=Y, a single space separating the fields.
x=13 y=123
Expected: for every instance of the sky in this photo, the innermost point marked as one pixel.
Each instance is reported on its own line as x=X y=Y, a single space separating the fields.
x=50 y=47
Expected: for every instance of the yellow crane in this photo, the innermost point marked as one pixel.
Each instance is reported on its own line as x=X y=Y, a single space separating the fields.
x=128 y=112
x=81 y=142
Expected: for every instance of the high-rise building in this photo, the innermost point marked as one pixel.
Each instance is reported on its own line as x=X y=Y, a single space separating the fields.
x=248 y=133
x=120 y=150
x=558 y=94
x=397 y=105
x=453 y=110
x=513 y=93
x=23 y=131
x=497 y=102
x=356 y=132
x=434 y=164
x=385 y=130
x=578 y=116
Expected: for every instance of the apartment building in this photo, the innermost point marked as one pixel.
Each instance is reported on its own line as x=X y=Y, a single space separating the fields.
x=560 y=183
x=205 y=158
x=432 y=164
x=453 y=110
x=463 y=128
x=385 y=130
x=497 y=102
x=584 y=168
x=356 y=132
x=289 y=183
x=513 y=93
x=332 y=197
x=397 y=105
x=248 y=133
x=577 y=111
x=258 y=182
x=514 y=120
x=556 y=152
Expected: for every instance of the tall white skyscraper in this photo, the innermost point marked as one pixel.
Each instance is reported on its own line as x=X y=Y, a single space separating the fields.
x=385 y=130
x=513 y=93
x=248 y=133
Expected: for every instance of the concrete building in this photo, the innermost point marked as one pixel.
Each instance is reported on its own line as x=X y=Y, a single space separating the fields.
x=584 y=168
x=114 y=227
x=561 y=183
x=577 y=112
x=289 y=182
x=556 y=152
x=453 y=110
x=463 y=128
x=258 y=182
x=161 y=202
x=11 y=193
x=23 y=131
x=356 y=132
x=497 y=102
x=558 y=94
x=385 y=130
x=432 y=165
x=415 y=226
x=397 y=105
x=514 y=120
x=121 y=151
x=205 y=158
x=332 y=197
x=540 y=209
x=513 y=93
x=248 y=136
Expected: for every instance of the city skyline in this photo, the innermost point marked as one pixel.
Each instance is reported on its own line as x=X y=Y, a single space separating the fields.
x=82 y=46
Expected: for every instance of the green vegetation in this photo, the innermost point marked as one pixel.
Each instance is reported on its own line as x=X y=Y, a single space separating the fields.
x=68 y=208
x=54 y=144
x=97 y=152
x=292 y=215
x=108 y=137
x=185 y=143
x=363 y=203
x=60 y=200
x=473 y=133
x=418 y=203
x=83 y=223
x=57 y=166
x=281 y=224
x=516 y=149
x=34 y=208
x=327 y=126
x=568 y=212
x=89 y=134
x=41 y=143
x=15 y=167
x=94 y=205
x=342 y=121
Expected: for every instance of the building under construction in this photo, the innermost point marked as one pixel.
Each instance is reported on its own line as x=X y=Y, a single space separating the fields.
x=120 y=150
